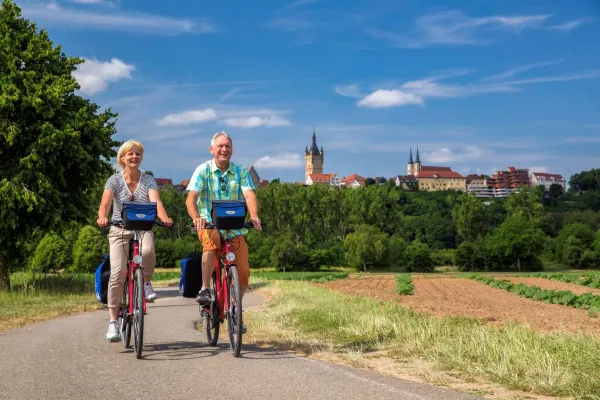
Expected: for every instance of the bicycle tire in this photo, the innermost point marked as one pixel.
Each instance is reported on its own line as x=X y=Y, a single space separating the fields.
x=138 y=312
x=211 y=319
x=234 y=314
x=125 y=318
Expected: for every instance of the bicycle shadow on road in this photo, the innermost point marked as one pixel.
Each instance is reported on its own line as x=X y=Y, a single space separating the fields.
x=180 y=350
x=254 y=352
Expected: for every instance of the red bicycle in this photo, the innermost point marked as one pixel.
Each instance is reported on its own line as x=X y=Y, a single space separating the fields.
x=226 y=298
x=133 y=307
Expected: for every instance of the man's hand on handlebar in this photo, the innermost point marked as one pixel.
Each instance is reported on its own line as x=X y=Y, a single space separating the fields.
x=168 y=222
x=199 y=223
x=257 y=223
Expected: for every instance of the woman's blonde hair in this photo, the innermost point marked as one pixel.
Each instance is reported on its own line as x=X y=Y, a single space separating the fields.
x=125 y=147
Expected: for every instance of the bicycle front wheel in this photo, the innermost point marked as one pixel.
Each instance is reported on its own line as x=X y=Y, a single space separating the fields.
x=138 y=312
x=211 y=318
x=125 y=318
x=234 y=314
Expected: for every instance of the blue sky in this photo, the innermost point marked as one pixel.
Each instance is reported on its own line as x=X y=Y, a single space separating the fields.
x=477 y=84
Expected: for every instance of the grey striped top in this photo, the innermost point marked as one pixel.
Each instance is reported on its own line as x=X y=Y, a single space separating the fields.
x=121 y=192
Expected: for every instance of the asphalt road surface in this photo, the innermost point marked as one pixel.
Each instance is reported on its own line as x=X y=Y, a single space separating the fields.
x=69 y=358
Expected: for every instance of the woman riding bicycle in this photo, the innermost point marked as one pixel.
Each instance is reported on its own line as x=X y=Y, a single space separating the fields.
x=129 y=185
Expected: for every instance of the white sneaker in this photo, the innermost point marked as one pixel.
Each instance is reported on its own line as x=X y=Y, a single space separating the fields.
x=149 y=292
x=113 y=332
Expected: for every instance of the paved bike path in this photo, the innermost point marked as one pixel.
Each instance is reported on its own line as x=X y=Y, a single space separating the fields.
x=69 y=358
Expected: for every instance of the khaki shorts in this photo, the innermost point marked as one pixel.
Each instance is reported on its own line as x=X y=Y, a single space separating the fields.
x=211 y=240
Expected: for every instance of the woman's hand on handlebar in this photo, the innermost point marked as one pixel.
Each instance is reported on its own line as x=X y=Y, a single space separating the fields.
x=102 y=222
x=168 y=222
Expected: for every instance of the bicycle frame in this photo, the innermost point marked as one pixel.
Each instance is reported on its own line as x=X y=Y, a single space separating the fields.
x=222 y=289
x=134 y=250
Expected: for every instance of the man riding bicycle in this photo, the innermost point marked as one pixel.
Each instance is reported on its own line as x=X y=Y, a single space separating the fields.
x=221 y=179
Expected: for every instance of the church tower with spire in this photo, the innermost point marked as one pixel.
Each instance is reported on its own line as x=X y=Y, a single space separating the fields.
x=413 y=167
x=313 y=158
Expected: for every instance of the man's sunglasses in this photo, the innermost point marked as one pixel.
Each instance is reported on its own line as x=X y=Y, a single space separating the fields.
x=223 y=186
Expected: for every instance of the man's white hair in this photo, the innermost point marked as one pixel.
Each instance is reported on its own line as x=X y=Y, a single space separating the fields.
x=219 y=134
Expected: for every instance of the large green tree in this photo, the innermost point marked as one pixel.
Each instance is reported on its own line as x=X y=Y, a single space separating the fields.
x=54 y=144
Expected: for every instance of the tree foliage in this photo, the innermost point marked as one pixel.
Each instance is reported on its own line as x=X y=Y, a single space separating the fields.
x=54 y=144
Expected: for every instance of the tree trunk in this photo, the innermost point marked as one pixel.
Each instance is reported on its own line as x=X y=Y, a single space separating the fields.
x=519 y=263
x=4 y=273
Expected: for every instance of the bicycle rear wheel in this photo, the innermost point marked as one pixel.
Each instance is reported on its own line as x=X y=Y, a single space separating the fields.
x=211 y=318
x=138 y=312
x=234 y=314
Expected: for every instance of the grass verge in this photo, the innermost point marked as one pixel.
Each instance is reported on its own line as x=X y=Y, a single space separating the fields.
x=35 y=298
x=586 y=301
x=404 y=284
x=320 y=276
x=309 y=319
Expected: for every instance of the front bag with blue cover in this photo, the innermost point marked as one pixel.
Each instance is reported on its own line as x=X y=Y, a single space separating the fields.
x=190 y=281
x=228 y=214
x=102 y=276
x=138 y=216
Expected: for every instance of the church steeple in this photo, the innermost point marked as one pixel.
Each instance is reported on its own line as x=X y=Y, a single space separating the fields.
x=314 y=149
x=410 y=159
x=418 y=161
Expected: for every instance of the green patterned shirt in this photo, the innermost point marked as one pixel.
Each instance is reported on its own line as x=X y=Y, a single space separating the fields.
x=205 y=181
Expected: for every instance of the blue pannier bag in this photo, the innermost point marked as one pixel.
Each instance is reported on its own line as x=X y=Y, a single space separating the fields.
x=190 y=281
x=138 y=216
x=101 y=280
x=228 y=214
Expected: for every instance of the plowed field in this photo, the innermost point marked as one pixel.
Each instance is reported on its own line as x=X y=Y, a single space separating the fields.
x=450 y=297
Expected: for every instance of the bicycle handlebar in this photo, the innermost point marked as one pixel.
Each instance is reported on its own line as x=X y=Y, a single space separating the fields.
x=247 y=225
x=119 y=224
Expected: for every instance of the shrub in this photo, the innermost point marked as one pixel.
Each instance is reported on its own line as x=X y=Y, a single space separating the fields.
x=91 y=245
x=52 y=253
x=419 y=258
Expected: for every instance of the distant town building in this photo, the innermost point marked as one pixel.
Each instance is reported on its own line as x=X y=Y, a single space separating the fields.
x=434 y=178
x=313 y=158
x=324 y=179
x=478 y=185
x=353 y=180
x=546 y=180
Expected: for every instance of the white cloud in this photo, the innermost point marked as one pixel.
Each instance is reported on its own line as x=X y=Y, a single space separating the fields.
x=286 y=160
x=102 y=2
x=515 y=71
x=445 y=155
x=349 y=91
x=255 y=122
x=455 y=27
x=299 y=3
x=189 y=117
x=389 y=98
x=132 y=22
x=569 y=26
x=93 y=76
x=415 y=92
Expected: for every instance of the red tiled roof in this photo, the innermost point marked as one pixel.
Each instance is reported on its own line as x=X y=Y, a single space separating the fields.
x=546 y=175
x=440 y=174
x=321 y=177
x=185 y=183
x=433 y=168
x=353 y=177
x=163 y=181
